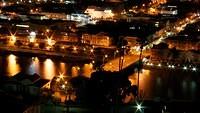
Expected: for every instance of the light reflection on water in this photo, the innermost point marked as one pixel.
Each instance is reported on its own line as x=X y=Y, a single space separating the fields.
x=62 y=67
x=153 y=83
x=87 y=70
x=166 y=84
x=49 y=69
x=46 y=68
x=75 y=71
x=12 y=65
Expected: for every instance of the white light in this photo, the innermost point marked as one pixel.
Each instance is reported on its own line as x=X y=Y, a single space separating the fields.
x=144 y=60
x=194 y=69
x=20 y=25
x=32 y=34
x=173 y=66
x=32 y=39
x=169 y=66
x=74 y=48
x=117 y=51
x=4 y=4
x=185 y=68
x=91 y=50
x=159 y=65
x=61 y=76
x=139 y=107
x=63 y=86
x=93 y=61
x=50 y=42
x=106 y=56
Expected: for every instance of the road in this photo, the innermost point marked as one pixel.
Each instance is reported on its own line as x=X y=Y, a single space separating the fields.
x=113 y=65
x=171 y=30
x=155 y=39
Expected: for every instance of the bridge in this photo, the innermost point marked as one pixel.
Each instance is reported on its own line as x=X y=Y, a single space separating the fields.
x=113 y=65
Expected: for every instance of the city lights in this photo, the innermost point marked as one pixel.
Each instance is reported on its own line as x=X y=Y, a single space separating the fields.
x=74 y=48
x=13 y=38
x=91 y=50
x=185 y=67
x=108 y=55
x=139 y=107
x=61 y=76
x=50 y=42
x=63 y=86
x=194 y=69
x=173 y=66
x=32 y=37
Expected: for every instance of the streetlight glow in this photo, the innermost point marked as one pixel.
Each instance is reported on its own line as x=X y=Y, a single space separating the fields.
x=13 y=38
x=50 y=42
x=63 y=86
x=185 y=68
x=74 y=48
x=159 y=65
x=91 y=50
x=194 y=69
x=61 y=76
x=139 y=107
x=106 y=56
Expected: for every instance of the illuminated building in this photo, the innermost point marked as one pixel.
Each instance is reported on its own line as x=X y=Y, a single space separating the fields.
x=99 y=13
x=100 y=39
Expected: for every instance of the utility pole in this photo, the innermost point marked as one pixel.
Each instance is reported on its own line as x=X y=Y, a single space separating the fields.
x=139 y=67
x=122 y=46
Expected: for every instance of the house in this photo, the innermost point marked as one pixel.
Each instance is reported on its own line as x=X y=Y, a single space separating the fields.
x=24 y=84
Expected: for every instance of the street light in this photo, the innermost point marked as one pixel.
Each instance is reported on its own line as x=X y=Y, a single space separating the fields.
x=13 y=39
x=116 y=52
x=50 y=43
x=139 y=66
x=194 y=69
x=91 y=50
x=185 y=67
x=104 y=58
x=32 y=37
x=139 y=107
x=61 y=76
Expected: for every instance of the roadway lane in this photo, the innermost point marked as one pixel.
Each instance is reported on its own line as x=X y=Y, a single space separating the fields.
x=113 y=65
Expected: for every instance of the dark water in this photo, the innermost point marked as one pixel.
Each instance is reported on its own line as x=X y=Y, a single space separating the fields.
x=154 y=83
x=169 y=84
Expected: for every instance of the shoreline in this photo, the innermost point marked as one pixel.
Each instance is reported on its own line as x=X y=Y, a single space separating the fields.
x=45 y=54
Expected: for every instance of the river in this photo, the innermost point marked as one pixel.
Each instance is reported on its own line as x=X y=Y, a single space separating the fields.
x=154 y=83
x=47 y=68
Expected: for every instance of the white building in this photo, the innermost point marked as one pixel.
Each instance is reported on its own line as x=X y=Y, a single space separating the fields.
x=99 y=13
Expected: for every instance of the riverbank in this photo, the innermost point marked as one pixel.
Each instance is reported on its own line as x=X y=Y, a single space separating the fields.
x=67 y=57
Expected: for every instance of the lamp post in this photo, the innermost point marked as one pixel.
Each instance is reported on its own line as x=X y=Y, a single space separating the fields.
x=122 y=44
x=139 y=66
